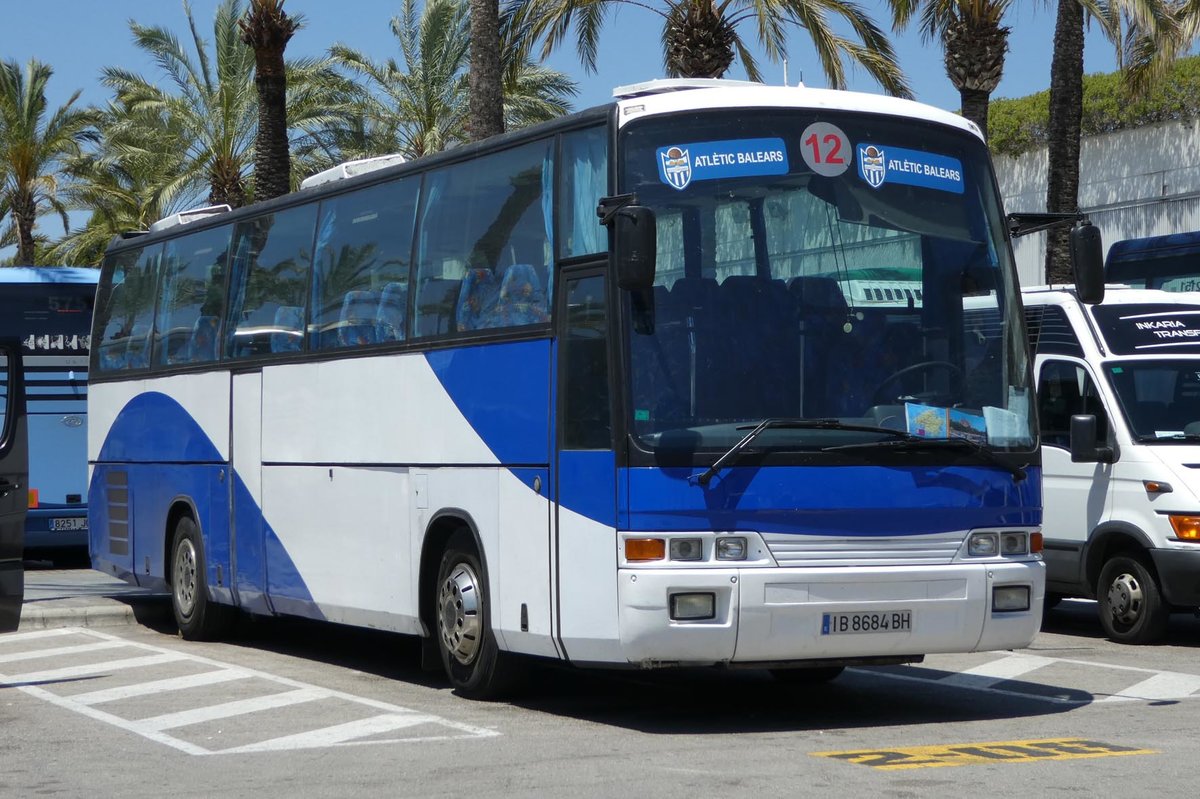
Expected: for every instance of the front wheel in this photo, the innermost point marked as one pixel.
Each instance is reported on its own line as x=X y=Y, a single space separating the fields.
x=474 y=663
x=198 y=617
x=1131 y=607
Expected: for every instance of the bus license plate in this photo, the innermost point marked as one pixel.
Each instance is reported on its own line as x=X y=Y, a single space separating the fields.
x=68 y=524
x=890 y=621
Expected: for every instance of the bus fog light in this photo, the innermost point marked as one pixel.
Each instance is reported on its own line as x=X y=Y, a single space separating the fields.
x=693 y=607
x=687 y=549
x=1013 y=544
x=731 y=548
x=1010 y=597
x=982 y=545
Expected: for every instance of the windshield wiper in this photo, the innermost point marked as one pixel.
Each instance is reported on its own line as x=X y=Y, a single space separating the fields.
x=706 y=476
x=911 y=442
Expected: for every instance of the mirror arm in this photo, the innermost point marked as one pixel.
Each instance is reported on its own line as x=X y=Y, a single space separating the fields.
x=609 y=207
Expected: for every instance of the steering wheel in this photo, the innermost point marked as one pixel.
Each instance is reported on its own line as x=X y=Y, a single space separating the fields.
x=956 y=377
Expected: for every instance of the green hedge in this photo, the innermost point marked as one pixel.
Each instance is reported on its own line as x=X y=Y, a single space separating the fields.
x=1019 y=125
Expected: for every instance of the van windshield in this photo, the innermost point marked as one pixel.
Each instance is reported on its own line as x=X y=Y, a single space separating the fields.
x=1160 y=399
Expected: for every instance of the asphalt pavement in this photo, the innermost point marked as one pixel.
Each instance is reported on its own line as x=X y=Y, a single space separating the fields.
x=84 y=597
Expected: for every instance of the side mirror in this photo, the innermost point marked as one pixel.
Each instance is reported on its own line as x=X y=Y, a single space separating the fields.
x=1087 y=261
x=635 y=237
x=1084 y=448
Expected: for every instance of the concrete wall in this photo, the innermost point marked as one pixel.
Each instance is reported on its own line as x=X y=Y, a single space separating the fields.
x=1132 y=183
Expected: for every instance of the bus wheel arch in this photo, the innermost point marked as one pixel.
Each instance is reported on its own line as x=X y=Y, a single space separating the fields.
x=456 y=609
x=197 y=616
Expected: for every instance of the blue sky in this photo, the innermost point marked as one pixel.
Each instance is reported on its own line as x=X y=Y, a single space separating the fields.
x=79 y=37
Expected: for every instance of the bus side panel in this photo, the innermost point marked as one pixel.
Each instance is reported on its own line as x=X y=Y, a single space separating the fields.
x=587 y=557
x=522 y=564
x=137 y=437
x=339 y=545
x=250 y=562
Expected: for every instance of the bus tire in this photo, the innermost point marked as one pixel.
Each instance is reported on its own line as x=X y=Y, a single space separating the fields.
x=1131 y=607
x=470 y=655
x=197 y=617
x=813 y=676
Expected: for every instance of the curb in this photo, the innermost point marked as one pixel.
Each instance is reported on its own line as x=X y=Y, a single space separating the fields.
x=145 y=611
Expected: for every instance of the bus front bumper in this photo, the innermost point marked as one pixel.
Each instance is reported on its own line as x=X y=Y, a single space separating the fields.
x=775 y=616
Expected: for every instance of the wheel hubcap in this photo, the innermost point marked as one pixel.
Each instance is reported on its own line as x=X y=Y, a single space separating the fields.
x=184 y=577
x=1125 y=597
x=458 y=613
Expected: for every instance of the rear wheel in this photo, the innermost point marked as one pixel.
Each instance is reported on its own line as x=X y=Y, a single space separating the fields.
x=474 y=663
x=813 y=676
x=198 y=618
x=1131 y=607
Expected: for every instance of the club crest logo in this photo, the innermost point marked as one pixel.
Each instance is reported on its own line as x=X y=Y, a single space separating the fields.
x=873 y=164
x=676 y=167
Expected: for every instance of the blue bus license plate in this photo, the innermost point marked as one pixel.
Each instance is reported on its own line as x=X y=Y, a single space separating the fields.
x=889 y=621
x=68 y=524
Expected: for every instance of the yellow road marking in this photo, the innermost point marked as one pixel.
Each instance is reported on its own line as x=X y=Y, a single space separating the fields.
x=992 y=752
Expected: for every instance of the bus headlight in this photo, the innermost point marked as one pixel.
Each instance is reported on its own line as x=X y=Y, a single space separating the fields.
x=733 y=548
x=1013 y=544
x=687 y=549
x=983 y=545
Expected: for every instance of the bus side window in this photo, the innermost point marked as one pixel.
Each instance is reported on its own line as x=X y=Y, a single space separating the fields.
x=484 y=244
x=360 y=274
x=272 y=257
x=125 y=311
x=586 y=417
x=193 y=288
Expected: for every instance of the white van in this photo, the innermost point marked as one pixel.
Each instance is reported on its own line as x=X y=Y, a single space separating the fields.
x=1118 y=393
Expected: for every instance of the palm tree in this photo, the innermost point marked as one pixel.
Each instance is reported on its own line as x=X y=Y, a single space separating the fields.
x=267 y=29
x=33 y=144
x=701 y=37
x=124 y=183
x=210 y=103
x=974 y=43
x=1151 y=23
x=423 y=105
x=485 y=78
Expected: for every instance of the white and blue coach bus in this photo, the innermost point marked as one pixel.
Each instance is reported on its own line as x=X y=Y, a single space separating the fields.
x=591 y=392
x=48 y=309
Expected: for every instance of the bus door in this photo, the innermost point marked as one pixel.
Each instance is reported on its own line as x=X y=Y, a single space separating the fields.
x=14 y=492
x=585 y=482
x=248 y=552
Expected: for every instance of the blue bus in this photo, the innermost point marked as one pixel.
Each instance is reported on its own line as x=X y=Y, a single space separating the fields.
x=1170 y=262
x=49 y=311
x=597 y=391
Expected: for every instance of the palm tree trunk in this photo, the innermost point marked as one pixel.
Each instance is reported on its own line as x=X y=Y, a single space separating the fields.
x=975 y=107
x=267 y=28
x=24 y=213
x=1066 y=119
x=486 y=80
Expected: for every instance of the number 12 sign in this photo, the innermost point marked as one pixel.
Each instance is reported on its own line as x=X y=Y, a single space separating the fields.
x=825 y=149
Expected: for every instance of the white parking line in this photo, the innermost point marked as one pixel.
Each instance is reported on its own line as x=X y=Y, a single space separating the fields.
x=1162 y=686
x=389 y=718
x=159 y=686
x=996 y=671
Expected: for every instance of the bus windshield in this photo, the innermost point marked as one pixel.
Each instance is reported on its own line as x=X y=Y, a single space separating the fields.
x=833 y=266
x=48 y=318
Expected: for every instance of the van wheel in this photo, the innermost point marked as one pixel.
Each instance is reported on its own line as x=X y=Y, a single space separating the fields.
x=198 y=617
x=473 y=661
x=1131 y=607
x=813 y=676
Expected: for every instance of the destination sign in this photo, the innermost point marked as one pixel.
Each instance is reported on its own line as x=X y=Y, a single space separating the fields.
x=1146 y=329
